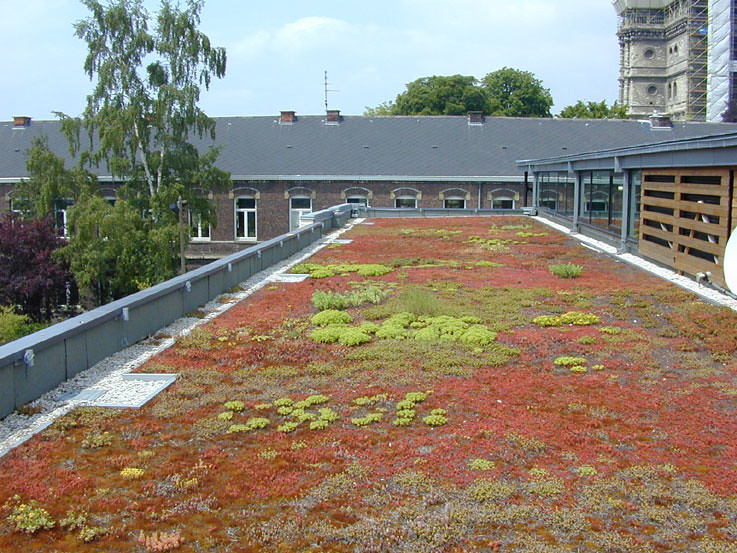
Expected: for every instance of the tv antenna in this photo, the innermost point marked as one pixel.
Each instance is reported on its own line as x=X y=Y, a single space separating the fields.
x=328 y=90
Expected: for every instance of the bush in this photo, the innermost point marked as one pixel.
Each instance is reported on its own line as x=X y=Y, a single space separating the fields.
x=566 y=270
x=12 y=325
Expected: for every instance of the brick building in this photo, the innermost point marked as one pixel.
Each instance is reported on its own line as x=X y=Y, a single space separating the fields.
x=282 y=166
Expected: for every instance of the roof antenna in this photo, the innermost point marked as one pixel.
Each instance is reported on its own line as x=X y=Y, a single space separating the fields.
x=327 y=90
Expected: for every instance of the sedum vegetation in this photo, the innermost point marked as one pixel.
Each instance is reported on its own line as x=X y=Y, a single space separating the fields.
x=446 y=405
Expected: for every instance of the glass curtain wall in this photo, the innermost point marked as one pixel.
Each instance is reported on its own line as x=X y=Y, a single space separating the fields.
x=556 y=192
x=602 y=199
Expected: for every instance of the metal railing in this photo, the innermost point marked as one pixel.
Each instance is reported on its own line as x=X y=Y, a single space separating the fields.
x=37 y=363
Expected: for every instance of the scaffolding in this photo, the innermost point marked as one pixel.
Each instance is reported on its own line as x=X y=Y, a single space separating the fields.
x=698 y=58
x=663 y=20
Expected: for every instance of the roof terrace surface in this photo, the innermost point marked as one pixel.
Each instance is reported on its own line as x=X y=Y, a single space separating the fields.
x=436 y=385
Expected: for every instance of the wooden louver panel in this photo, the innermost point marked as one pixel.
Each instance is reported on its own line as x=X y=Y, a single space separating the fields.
x=685 y=218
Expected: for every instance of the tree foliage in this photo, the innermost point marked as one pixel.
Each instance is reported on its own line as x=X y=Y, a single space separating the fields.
x=113 y=251
x=506 y=92
x=594 y=110
x=31 y=277
x=516 y=93
x=140 y=119
x=454 y=95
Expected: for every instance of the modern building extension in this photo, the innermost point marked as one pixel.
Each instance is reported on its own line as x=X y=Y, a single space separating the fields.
x=673 y=202
x=677 y=57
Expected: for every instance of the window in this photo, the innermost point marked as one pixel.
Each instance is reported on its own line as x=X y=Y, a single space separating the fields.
x=245 y=218
x=549 y=203
x=405 y=202
x=360 y=200
x=298 y=206
x=502 y=203
x=14 y=207
x=198 y=231
x=649 y=53
x=454 y=203
x=61 y=205
x=652 y=90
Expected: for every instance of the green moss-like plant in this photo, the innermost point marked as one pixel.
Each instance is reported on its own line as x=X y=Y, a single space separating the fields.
x=331 y=317
x=570 y=318
x=481 y=464
x=287 y=427
x=257 y=423
x=235 y=405
x=578 y=318
x=391 y=332
x=370 y=400
x=368 y=419
x=345 y=335
x=435 y=420
x=328 y=334
x=569 y=361
x=478 y=335
x=610 y=329
x=566 y=270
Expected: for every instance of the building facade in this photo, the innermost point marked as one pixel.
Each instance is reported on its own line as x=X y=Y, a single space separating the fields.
x=677 y=57
x=673 y=202
x=284 y=166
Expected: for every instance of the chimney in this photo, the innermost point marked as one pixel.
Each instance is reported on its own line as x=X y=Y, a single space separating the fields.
x=660 y=122
x=287 y=118
x=475 y=117
x=333 y=116
x=21 y=121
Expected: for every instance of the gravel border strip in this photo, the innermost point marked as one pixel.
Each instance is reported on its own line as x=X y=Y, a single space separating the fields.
x=670 y=275
x=110 y=374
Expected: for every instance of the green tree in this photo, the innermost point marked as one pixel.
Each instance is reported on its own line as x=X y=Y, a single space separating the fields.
x=141 y=116
x=113 y=251
x=49 y=181
x=436 y=95
x=515 y=93
x=594 y=110
x=385 y=108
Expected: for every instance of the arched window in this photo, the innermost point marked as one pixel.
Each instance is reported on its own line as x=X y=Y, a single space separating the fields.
x=454 y=198
x=503 y=198
x=357 y=195
x=405 y=198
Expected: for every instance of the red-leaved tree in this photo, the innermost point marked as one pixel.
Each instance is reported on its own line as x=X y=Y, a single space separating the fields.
x=31 y=278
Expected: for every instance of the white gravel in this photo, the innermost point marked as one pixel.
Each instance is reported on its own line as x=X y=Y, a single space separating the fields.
x=706 y=292
x=109 y=384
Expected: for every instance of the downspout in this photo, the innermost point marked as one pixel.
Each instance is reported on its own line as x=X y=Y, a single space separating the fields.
x=527 y=174
x=626 y=215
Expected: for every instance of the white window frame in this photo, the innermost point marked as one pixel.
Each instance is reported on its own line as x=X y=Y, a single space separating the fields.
x=502 y=199
x=295 y=213
x=404 y=198
x=196 y=232
x=245 y=212
x=63 y=211
x=358 y=200
x=454 y=199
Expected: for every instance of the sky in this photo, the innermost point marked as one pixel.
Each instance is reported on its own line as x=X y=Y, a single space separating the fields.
x=278 y=51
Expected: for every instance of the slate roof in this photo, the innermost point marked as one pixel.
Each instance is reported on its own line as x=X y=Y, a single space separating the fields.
x=370 y=147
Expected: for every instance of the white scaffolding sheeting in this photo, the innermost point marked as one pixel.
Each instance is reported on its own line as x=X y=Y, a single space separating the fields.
x=621 y=5
x=720 y=31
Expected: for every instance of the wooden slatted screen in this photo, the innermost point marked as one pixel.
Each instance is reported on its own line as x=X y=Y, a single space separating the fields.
x=685 y=218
